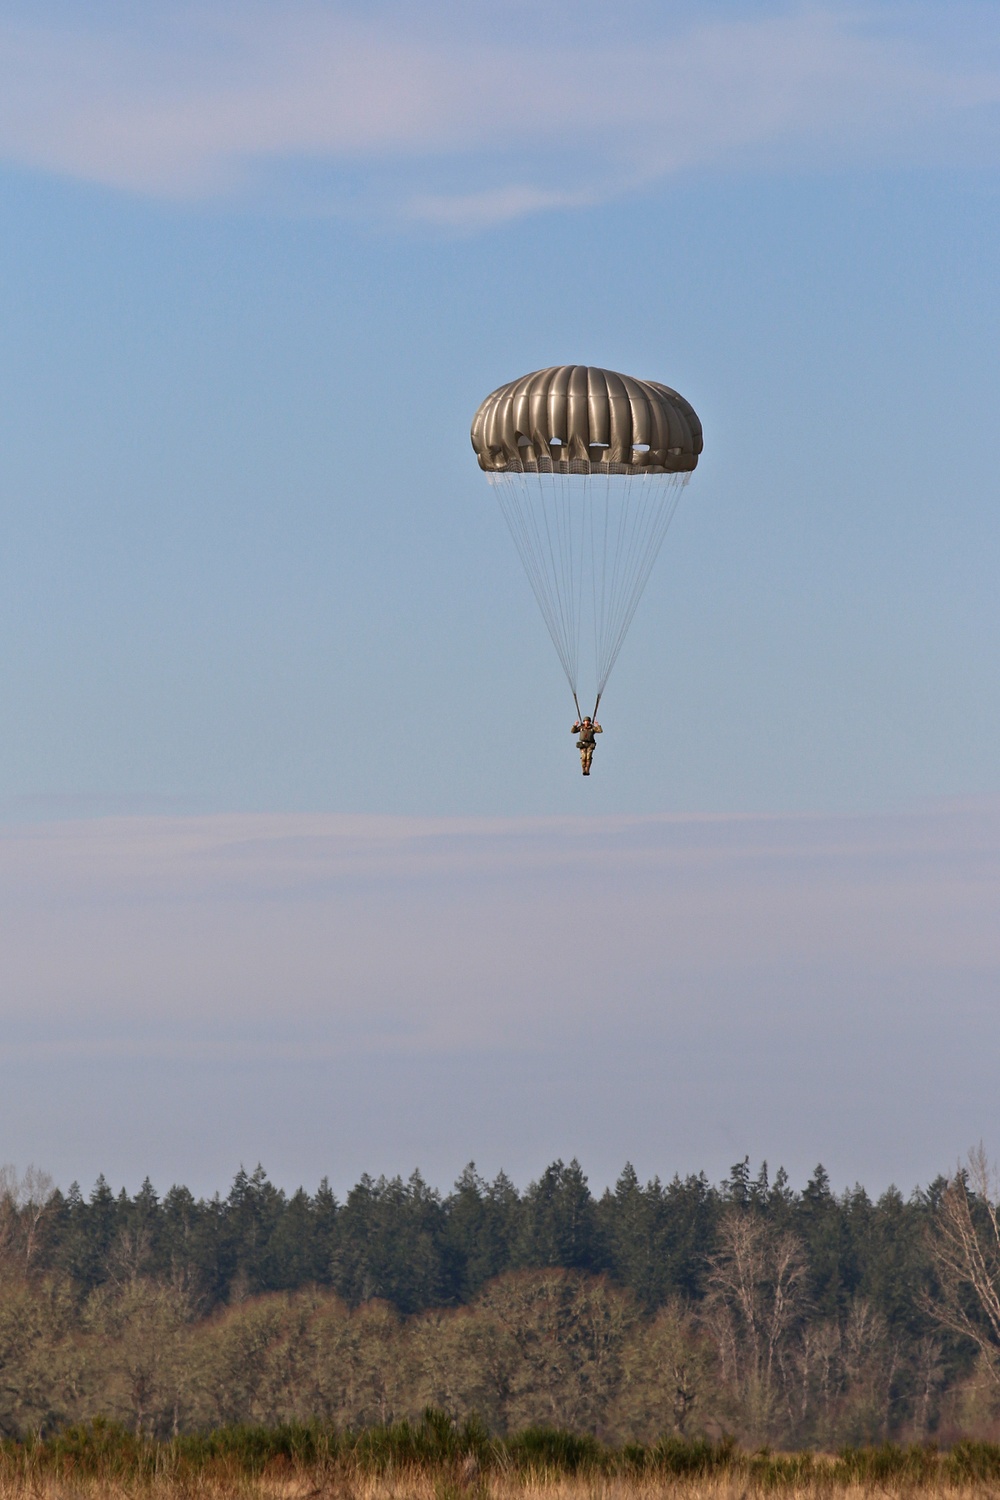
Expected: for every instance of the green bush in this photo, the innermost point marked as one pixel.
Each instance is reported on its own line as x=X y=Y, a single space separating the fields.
x=549 y=1448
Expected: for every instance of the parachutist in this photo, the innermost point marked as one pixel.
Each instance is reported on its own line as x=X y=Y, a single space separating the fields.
x=586 y=728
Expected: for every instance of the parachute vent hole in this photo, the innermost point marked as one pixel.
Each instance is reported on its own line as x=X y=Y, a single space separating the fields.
x=644 y=448
x=522 y=441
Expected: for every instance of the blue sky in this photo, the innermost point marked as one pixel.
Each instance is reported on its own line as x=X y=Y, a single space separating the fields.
x=258 y=265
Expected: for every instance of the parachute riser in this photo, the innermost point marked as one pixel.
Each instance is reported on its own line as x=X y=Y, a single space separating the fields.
x=579 y=714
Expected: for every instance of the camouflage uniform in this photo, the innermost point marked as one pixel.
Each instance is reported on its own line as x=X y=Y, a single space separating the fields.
x=586 y=729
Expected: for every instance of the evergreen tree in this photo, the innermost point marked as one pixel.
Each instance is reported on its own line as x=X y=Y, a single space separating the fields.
x=632 y=1221
x=560 y=1221
x=820 y=1223
x=483 y=1225
x=390 y=1244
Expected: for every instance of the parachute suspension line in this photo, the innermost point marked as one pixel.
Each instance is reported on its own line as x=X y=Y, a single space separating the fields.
x=555 y=551
x=547 y=554
x=600 y=608
x=579 y=516
x=654 y=507
x=615 y=569
x=531 y=528
x=571 y=527
x=622 y=568
x=556 y=509
x=564 y=524
x=523 y=524
x=612 y=588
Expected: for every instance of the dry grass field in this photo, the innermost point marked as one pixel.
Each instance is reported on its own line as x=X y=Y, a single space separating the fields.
x=438 y=1460
x=465 y=1483
x=420 y=1485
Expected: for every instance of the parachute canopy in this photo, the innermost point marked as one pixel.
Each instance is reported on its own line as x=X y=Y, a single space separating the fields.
x=578 y=418
x=588 y=466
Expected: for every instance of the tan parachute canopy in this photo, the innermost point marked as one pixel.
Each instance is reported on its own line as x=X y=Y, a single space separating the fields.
x=582 y=419
x=588 y=466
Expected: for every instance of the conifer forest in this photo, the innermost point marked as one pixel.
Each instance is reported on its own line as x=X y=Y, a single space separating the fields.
x=747 y=1310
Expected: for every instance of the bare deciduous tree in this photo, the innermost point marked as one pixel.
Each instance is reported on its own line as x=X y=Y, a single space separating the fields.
x=965 y=1250
x=869 y=1357
x=24 y=1202
x=756 y=1295
x=556 y=1339
x=930 y=1375
x=668 y=1377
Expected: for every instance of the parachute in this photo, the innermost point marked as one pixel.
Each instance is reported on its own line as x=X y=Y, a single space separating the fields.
x=588 y=466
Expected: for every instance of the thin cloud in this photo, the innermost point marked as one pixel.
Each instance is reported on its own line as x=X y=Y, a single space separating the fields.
x=498 y=205
x=204 y=102
x=415 y=931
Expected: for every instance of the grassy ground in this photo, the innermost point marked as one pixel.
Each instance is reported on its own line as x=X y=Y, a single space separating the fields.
x=435 y=1460
x=422 y=1484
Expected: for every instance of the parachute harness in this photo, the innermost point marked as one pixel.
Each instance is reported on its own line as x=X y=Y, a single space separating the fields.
x=588 y=536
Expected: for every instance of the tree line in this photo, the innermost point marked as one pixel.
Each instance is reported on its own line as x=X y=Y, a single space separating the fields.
x=409 y=1245
x=744 y=1307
